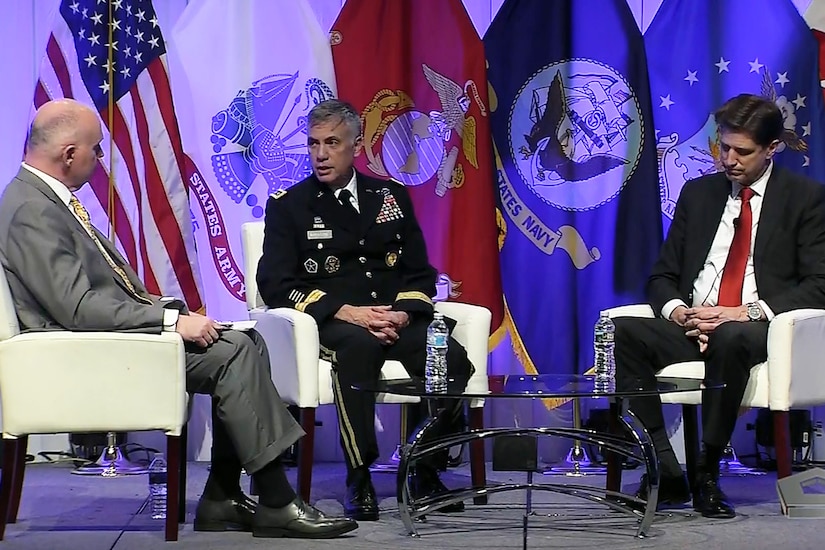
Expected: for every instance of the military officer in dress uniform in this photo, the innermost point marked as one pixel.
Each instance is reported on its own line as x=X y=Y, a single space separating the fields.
x=347 y=249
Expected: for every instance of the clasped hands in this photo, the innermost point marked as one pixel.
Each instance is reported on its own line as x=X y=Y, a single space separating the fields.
x=381 y=321
x=700 y=321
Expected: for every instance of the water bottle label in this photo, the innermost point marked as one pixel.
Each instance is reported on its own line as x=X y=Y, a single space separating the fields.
x=157 y=478
x=438 y=340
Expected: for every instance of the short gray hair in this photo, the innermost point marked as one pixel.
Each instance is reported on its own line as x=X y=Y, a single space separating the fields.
x=47 y=132
x=336 y=110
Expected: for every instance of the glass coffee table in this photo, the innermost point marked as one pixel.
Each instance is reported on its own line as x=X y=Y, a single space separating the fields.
x=626 y=438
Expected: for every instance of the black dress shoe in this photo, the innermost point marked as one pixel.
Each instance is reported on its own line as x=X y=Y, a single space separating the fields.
x=298 y=520
x=673 y=490
x=710 y=501
x=426 y=483
x=232 y=514
x=360 y=502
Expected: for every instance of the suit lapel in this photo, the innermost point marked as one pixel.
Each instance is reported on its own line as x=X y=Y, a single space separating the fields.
x=773 y=204
x=711 y=217
x=370 y=201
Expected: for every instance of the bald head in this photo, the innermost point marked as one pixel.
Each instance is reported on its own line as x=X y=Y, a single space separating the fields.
x=64 y=141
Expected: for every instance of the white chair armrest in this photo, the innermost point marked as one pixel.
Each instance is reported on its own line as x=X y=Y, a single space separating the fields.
x=473 y=332
x=43 y=372
x=796 y=346
x=292 y=339
x=635 y=310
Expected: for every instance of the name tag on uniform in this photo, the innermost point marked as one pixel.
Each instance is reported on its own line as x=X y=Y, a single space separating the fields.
x=319 y=234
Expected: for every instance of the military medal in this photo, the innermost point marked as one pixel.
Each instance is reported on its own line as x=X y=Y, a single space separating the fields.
x=389 y=210
x=332 y=264
x=391 y=259
x=311 y=266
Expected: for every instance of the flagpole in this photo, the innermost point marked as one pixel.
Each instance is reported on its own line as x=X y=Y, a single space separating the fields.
x=110 y=123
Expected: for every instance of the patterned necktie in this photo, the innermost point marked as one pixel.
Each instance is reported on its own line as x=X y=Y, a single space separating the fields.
x=83 y=214
x=733 y=278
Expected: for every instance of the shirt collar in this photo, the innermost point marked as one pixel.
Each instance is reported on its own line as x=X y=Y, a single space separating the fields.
x=351 y=186
x=758 y=186
x=54 y=184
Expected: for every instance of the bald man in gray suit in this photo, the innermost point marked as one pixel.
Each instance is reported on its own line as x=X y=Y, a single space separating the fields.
x=64 y=275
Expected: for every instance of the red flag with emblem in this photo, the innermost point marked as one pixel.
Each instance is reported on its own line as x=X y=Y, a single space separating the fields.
x=416 y=71
x=820 y=37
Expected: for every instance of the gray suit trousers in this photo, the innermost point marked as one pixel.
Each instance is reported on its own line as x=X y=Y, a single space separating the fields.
x=235 y=371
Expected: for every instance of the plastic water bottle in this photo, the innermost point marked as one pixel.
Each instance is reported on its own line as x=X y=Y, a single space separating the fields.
x=435 y=369
x=604 y=334
x=157 y=487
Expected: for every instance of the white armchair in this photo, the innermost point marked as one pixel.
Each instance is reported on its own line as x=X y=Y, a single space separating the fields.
x=790 y=378
x=60 y=381
x=305 y=380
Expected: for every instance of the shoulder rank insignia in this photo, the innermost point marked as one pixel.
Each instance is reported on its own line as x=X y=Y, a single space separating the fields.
x=278 y=194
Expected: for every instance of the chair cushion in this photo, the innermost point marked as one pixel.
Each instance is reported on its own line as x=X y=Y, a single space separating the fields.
x=392 y=370
x=756 y=392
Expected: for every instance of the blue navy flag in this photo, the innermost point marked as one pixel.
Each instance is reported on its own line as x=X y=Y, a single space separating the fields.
x=576 y=172
x=699 y=59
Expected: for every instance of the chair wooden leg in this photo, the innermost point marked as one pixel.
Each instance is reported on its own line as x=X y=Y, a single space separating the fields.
x=306 y=451
x=478 y=469
x=19 y=473
x=173 y=450
x=184 y=445
x=614 y=464
x=782 y=443
x=691 y=422
x=7 y=481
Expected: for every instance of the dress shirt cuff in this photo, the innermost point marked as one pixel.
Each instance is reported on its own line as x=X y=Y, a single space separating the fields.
x=769 y=314
x=170 y=320
x=669 y=307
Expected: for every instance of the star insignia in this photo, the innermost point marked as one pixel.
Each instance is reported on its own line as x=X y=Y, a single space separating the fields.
x=756 y=66
x=723 y=65
x=782 y=78
x=691 y=77
x=666 y=102
x=799 y=101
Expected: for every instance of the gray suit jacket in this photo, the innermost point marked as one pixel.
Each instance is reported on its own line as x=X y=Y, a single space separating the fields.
x=58 y=277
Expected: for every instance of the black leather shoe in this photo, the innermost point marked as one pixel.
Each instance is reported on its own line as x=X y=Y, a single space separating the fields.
x=360 y=502
x=232 y=514
x=298 y=520
x=425 y=483
x=710 y=501
x=673 y=490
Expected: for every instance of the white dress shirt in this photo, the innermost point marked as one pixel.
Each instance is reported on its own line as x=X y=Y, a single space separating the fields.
x=170 y=316
x=352 y=187
x=707 y=283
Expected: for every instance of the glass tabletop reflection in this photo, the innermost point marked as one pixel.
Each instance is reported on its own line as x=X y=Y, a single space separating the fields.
x=532 y=386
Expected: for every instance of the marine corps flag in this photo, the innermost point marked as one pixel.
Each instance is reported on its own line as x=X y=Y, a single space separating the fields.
x=415 y=70
x=576 y=172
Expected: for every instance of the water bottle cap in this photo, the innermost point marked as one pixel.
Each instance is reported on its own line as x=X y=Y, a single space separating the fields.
x=438 y=315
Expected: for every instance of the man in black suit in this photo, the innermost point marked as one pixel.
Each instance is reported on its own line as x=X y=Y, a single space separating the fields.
x=746 y=244
x=347 y=249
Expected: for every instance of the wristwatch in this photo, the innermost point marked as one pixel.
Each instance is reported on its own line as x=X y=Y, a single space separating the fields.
x=754 y=312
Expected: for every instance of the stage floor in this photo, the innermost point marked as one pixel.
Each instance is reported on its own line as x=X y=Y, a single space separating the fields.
x=64 y=511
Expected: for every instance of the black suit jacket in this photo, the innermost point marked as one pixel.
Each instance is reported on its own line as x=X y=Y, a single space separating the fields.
x=317 y=258
x=789 y=252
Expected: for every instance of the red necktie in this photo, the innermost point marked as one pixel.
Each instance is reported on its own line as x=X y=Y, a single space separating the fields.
x=730 y=289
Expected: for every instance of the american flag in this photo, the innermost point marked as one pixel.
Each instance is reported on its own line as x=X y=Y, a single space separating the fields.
x=149 y=207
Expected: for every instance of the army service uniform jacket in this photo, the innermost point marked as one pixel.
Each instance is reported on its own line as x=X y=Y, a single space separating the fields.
x=318 y=256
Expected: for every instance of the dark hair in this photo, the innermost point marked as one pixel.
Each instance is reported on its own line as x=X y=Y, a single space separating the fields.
x=756 y=116
x=336 y=110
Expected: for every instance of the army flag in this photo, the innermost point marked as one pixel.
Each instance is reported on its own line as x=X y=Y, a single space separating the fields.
x=415 y=71
x=772 y=53
x=576 y=172
x=252 y=71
